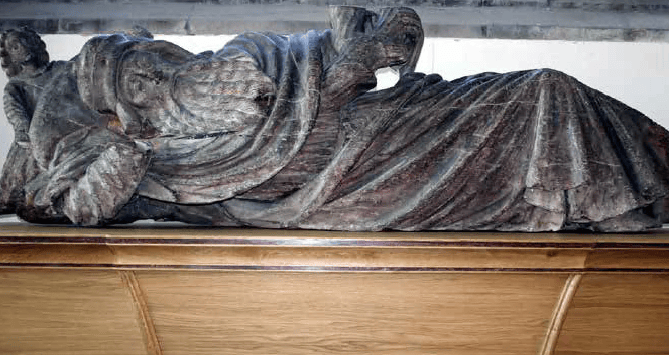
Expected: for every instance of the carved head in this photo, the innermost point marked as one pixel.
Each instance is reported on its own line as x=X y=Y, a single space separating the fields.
x=96 y=68
x=399 y=29
x=22 y=51
x=124 y=74
x=403 y=29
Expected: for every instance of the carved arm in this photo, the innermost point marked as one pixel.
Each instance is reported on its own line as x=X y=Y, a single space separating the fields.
x=16 y=110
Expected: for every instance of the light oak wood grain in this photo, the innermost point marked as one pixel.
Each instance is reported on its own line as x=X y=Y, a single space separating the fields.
x=364 y=313
x=645 y=258
x=338 y=258
x=82 y=312
x=144 y=231
x=144 y=317
x=240 y=249
x=560 y=313
x=618 y=314
x=234 y=291
x=252 y=257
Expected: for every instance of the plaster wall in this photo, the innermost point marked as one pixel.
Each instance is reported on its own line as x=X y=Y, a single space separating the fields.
x=636 y=73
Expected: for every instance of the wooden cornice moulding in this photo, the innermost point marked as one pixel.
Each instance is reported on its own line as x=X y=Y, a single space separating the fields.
x=169 y=246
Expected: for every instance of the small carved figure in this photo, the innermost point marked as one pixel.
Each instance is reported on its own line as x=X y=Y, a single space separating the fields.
x=283 y=132
x=25 y=61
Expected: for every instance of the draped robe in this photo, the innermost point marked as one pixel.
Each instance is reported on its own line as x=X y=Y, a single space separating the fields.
x=532 y=150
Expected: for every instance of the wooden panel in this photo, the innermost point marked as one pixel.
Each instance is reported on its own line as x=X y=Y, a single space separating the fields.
x=66 y=312
x=202 y=312
x=618 y=314
x=169 y=289
x=629 y=259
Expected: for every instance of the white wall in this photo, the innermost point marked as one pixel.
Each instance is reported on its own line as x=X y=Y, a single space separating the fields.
x=635 y=73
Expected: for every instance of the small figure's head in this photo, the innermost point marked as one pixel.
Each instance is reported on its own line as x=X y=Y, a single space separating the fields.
x=22 y=51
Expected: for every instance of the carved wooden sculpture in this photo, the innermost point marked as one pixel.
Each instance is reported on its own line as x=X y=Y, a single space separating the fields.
x=282 y=132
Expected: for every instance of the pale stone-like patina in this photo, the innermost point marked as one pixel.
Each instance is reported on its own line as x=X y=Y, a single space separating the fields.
x=283 y=132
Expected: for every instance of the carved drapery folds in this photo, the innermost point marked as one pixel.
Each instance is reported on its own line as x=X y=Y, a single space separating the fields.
x=283 y=132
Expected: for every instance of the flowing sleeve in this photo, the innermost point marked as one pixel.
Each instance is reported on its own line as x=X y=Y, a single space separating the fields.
x=16 y=109
x=93 y=173
x=19 y=166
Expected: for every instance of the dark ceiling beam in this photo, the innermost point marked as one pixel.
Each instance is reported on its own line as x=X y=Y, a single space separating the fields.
x=583 y=20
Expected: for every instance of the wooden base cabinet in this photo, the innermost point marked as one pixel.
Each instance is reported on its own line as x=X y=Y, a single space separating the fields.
x=170 y=289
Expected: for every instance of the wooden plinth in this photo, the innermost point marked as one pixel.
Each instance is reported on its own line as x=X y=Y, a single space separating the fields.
x=171 y=289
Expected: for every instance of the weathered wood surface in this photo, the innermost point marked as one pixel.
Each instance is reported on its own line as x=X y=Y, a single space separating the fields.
x=170 y=289
x=131 y=129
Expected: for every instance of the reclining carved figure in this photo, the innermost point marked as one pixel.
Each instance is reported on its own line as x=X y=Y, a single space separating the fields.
x=284 y=132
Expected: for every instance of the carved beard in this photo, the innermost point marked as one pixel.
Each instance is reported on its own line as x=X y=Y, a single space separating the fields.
x=224 y=94
x=206 y=96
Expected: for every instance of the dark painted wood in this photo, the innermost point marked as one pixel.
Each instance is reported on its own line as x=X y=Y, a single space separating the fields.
x=283 y=132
